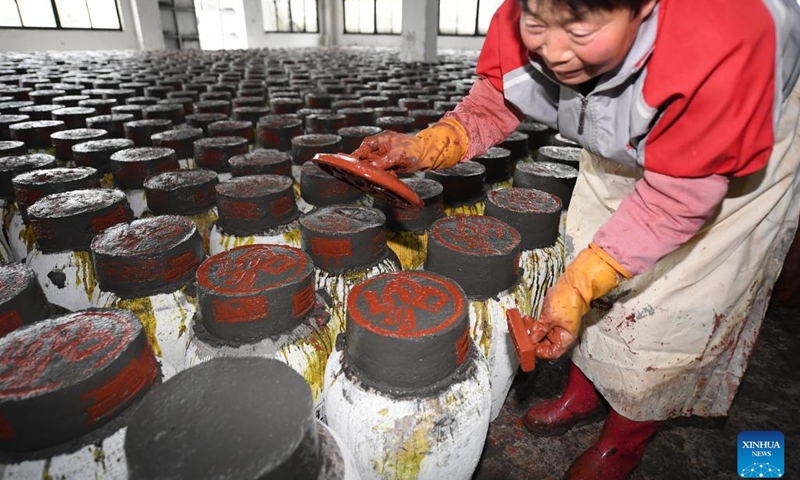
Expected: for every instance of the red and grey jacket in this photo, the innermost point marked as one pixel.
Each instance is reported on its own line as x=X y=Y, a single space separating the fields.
x=692 y=97
x=696 y=101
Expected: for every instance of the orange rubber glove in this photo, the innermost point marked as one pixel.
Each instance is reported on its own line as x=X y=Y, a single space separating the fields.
x=439 y=146
x=591 y=275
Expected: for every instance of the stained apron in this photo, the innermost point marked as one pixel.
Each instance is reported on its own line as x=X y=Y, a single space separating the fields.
x=677 y=339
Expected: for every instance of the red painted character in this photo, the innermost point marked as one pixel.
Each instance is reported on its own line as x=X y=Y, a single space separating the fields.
x=686 y=201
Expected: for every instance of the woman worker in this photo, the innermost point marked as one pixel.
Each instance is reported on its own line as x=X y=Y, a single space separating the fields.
x=685 y=205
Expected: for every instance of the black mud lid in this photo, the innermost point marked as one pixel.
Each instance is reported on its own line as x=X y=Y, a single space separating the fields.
x=169 y=111
x=69 y=220
x=407 y=330
x=535 y=214
x=480 y=253
x=229 y=418
x=355 y=116
x=5 y=121
x=181 y=192
x=277 y=132
x=63 y=377
x=22 y=300
x=149 y=256
x=261 y=162
x=97 y=153
x=305 y=147
x=565 y=155
x=31 y=186
x=400 y=124
x=140 y=131
x=203 y=120
x=232 y=128
x=498 y=163
x=341 y=238
x=538 y=134
x=463 y=183
x=10 y=167
x=423 y=118
x=64 y=140
x=319 y=188
x=412 y=219
x=73 y=117
x=325 y=123
x=517 y=144
x=113 y=123
x=181 y=140
x=12 y=147
x=253 y=292
x=213 y=153
x=35 y=134
x=132 y=166
x=353 y=136
x=556 y=178
x=255 y=203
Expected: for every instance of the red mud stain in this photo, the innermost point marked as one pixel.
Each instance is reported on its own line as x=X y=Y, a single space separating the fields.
x=718 y=317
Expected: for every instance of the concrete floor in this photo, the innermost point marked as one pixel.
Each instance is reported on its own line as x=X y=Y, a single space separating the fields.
x=686 y=448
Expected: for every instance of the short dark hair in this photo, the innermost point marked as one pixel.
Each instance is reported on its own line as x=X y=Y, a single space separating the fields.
x=577 y=7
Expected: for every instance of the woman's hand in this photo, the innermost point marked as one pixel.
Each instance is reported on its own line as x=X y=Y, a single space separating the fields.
x=439 y=146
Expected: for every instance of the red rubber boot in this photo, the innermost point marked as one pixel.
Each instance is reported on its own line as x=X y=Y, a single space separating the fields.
x=616 y=453
x=579 y=404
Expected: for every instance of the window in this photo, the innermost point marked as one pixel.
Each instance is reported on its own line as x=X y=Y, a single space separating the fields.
x=466 y=17
x=80 y=14
x=221 y=24
x=373 y=16
x=297 y=16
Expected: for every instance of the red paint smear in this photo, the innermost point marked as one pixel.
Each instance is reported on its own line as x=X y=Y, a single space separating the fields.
x=238 y=209
x=211 y=158
x=6 y=430
x=9 y=321
x=396 y=311
x=204 y=197
x=718 y=318
x=282 y=206
x=237 y=272
x=471 y=235
x=332 y=250
x=24 y=363
x=304 y=301
x=43 y=229
x=268 y=138
x=462 y=347
x=143 y=271
x=27 y=196
x=243 y=310
x=398 y=301
x=109 y=398
x=115 y=216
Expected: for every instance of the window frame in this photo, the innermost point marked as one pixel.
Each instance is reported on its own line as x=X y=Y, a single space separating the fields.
x=374 y=22
x=468 y=35
x=291 y=24
x=57 y=18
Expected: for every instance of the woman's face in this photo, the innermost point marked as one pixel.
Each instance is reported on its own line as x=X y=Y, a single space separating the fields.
x=579 y=47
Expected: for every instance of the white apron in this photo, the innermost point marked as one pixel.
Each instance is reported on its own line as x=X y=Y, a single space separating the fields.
x=676 y=340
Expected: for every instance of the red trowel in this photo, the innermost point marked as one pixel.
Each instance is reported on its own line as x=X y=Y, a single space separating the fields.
x=368 y=178
x=520 y=328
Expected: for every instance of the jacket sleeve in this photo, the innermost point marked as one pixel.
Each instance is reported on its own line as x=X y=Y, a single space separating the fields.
x=486 y=116
x=660 y=215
